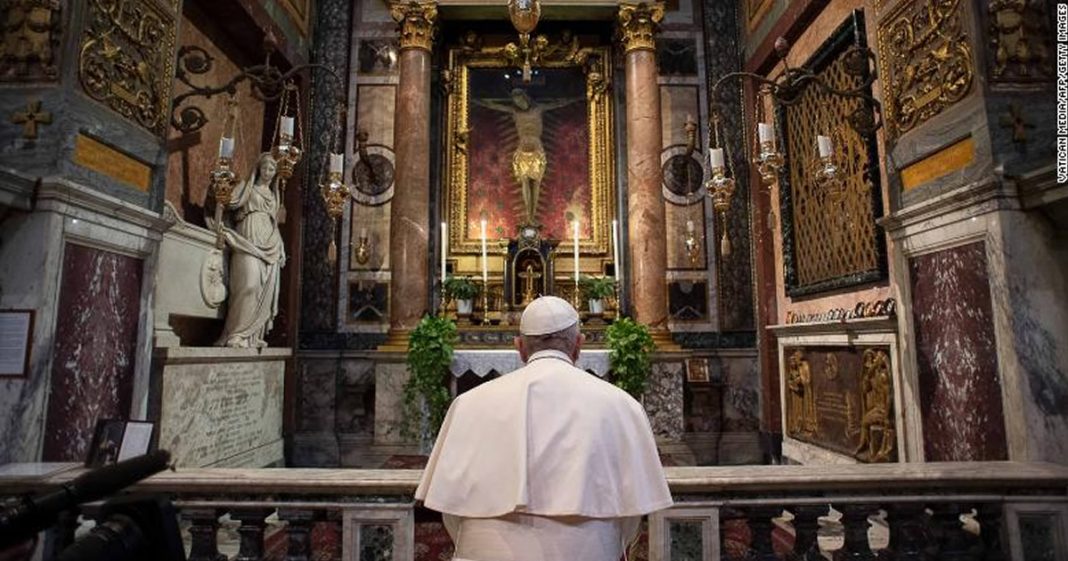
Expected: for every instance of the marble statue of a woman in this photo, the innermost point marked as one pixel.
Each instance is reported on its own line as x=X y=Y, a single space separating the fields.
x=257 y=256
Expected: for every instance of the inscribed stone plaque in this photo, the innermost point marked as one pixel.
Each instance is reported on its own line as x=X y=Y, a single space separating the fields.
x=841 y=398
x=222 y=413
x=101 y=158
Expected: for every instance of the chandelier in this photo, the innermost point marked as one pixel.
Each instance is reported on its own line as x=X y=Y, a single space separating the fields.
x=786 y=90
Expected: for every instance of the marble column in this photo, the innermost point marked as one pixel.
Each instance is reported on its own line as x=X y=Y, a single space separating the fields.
x=410 y=213
x=638 y=24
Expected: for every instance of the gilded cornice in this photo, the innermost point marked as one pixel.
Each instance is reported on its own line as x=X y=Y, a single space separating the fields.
x=638 y=24
x=416 y=21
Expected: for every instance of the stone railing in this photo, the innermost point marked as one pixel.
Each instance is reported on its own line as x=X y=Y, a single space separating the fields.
x=958 y=511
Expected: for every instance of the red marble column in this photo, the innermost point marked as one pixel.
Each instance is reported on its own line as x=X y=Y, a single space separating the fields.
x=645 y=204
x=410 y=211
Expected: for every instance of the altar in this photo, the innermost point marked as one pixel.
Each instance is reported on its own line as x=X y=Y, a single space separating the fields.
x=482 y=362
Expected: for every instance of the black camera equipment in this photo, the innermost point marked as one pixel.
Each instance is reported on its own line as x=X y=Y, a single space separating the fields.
x=131 y=528
x=34 y=514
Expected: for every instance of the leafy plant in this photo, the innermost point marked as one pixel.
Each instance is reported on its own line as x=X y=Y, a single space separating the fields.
x=597 y=288
x=426 y=394
x=461 y=288
x=629 y=347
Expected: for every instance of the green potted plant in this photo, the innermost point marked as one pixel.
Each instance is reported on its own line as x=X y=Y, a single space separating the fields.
x=629 y=348
x=596 y=289
x=463 y=290
x=426 y=393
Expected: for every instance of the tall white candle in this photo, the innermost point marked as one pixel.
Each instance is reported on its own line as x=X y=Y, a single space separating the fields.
x=765 y=132
x=825 y=146
x=615 y=249
x=226 y=147
x=689 y=226
x=485 y=265
x=444 y=247
x=715 y=158
x=337 y=163
x=575 y=227
x=287 y=126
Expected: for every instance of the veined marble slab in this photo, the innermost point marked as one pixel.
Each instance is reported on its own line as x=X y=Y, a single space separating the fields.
x=222 y=407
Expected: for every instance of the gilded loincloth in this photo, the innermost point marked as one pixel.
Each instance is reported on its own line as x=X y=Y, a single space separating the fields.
x=528 y=165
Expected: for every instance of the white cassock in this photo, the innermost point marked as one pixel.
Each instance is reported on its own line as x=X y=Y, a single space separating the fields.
x=547 y=463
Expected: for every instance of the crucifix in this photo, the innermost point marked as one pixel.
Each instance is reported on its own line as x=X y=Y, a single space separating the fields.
x=529 y=276
x=30 y=118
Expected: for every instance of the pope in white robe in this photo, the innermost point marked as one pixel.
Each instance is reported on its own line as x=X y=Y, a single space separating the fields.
x=547 y=463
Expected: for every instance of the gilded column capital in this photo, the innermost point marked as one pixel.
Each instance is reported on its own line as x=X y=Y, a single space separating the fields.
x=416 y=21
x=638 y=24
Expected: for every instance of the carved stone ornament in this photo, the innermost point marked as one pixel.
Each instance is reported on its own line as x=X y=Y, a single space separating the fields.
x=126 y=59
x=30 y=118
x=1020 y=40
x=30 y=47
x=212 y=280
x=416 y=21
x=638 y=24
x=926 y=62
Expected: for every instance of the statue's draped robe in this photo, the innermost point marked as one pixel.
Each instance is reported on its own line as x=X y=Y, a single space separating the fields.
x=255 y=264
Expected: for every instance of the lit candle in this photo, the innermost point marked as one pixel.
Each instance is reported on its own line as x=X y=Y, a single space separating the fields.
x=444 y=247
x=765 y=132
x=287 y=126
x=615 y=249
x=689 y=226
x=825 y=146
x=485 y=265
x=576 y=229
x=337 y=163
x=715 y=158
x=226 y=147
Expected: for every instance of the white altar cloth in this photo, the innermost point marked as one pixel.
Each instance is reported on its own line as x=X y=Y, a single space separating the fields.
x=482 y=362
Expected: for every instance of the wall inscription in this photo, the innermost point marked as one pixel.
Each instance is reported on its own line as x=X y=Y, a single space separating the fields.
x=841 y=398
x=213 y=414
x=101 y=158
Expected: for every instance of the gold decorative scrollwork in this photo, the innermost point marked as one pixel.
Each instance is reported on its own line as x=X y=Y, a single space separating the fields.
x=638 y=24
x=30 y=44
x=416 y=21
x=927 y=62
x=127 y=59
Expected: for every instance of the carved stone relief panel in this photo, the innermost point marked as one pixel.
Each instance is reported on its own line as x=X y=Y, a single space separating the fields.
x=30 y=48
x=842 y=398
x=1019 y=40
x=126 y=59
x=926 y=61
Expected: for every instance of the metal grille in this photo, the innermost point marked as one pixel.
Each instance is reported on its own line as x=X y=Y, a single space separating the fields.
x=831 y=241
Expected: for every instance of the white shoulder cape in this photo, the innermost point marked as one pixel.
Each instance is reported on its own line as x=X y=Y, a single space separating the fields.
x=547 y=439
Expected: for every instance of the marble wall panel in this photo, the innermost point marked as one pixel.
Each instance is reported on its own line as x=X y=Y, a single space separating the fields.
x=676 y=57
x=95 y=349
x=189 y=165
x=734 y=297
x=371 y=222
x=319 y=302
x=375 y=112
x=377 y=57
x=677 y=103
x=687 y=300
x=368 y=302
x=663 y=399
x=221 y=407
x=355 y=409
x=960 y=389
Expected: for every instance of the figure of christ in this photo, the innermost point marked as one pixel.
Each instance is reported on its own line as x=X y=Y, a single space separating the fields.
x=528 y=161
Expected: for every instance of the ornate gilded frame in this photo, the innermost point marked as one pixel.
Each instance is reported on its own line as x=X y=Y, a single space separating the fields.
x=596 y=63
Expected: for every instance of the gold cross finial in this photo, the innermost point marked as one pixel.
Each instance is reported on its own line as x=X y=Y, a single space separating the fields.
x=30 y=118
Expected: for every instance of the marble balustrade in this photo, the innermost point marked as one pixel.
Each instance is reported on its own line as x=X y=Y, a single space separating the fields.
x=967 y=510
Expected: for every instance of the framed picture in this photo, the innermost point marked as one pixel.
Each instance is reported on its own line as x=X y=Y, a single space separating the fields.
x=115 y=440
x=16 y=339
x=697 y=370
